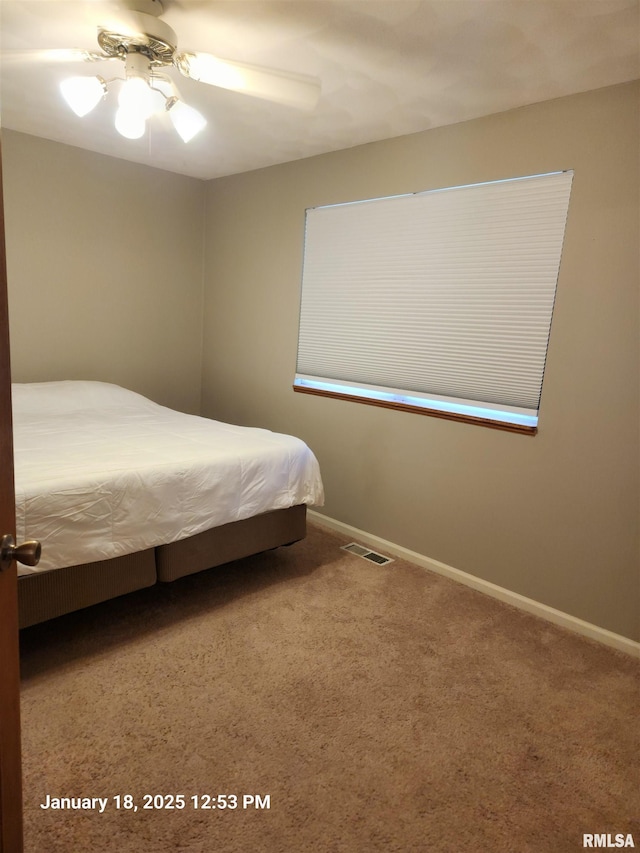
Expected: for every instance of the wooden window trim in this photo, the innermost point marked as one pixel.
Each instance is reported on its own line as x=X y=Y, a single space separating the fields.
x=419 y=410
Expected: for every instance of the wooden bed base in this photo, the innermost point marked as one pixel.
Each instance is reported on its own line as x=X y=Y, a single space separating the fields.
x=50 y=594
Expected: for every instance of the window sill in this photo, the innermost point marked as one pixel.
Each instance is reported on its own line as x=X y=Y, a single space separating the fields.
x=419 y=410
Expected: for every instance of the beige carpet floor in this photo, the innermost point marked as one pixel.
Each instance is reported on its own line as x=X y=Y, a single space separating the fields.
x=378 y=709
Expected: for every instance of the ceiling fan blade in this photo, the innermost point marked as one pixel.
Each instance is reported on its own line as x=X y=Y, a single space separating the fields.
x=54 y=55
x=295 y=90
x=124 y=21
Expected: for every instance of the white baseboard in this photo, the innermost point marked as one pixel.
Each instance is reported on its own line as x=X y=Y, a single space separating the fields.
x=616 y=641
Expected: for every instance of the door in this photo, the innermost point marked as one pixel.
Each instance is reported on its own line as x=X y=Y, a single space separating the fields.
x=10 y=762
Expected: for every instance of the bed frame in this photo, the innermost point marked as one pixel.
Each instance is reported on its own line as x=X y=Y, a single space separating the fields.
x=50 y=594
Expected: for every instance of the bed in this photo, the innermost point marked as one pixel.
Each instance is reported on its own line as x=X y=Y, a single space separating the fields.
x=123 y=493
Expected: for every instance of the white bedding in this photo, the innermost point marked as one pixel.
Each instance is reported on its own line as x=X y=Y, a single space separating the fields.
x=101 y=471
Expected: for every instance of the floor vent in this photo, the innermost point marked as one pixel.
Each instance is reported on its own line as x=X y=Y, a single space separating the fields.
x=367 y=554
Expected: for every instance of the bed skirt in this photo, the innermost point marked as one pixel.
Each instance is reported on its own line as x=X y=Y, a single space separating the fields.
x=230 y=542
x=50 y=594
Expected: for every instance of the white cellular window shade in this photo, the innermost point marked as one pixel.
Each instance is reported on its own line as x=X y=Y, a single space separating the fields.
x=440 y=300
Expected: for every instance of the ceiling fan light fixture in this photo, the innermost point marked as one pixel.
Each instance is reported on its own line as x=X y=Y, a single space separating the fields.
x=146 y=44
x=82 y=94
x=186 y=120
x=136 y=97
x=130 y=124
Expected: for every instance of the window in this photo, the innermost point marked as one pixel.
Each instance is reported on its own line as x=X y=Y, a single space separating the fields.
x=438 y=302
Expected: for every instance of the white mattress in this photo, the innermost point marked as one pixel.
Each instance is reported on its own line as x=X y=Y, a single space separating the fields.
x=101 y=471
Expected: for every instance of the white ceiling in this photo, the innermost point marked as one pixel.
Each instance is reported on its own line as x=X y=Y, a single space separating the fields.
x=387 y=68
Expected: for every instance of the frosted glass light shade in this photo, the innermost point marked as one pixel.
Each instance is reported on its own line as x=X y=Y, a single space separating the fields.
x=186 y=120
x=83 y=93
x=136 y=97
x=129 y=124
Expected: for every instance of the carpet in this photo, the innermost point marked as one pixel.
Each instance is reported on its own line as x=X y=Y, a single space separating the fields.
x=308 y=700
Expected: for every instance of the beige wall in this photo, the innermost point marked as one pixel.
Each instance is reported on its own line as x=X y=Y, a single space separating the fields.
x=105 y=281
x=104 y=262
x=554 y=517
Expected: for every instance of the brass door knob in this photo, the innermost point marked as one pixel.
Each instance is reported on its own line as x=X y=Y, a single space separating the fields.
x=28 y=553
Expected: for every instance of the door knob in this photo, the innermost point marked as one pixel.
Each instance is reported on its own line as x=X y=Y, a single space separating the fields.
x=28 y=553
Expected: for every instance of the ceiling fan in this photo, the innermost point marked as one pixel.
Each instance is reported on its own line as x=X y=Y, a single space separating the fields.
x=146 y=44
